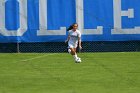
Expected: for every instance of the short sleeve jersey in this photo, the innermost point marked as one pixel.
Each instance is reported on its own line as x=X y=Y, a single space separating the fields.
x=74 y=35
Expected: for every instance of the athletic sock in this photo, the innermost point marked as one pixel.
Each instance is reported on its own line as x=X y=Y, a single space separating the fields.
x=75 y=56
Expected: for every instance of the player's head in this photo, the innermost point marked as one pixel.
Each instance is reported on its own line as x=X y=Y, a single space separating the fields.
x=73 y=26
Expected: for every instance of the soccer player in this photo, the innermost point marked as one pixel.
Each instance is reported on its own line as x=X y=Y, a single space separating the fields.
x=74 y=37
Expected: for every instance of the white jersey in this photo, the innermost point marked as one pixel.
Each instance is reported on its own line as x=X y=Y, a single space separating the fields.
x=74 y=35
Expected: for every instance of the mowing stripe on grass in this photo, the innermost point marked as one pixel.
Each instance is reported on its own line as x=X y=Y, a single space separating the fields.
x=37 y=57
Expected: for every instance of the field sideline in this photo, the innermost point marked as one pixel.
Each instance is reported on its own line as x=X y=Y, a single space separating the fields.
x=112 y=72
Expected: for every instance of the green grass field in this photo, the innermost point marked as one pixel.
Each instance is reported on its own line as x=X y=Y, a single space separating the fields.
x=57 y=73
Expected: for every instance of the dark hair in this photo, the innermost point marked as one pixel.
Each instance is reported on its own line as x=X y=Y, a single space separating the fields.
x=71 y=26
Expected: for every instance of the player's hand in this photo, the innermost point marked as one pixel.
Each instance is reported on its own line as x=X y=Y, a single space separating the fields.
x=80 y=47
x=66 y=41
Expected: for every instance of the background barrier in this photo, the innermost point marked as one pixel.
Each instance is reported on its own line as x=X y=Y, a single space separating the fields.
x=40 y=25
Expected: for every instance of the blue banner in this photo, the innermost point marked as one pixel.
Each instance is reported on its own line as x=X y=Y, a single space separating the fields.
x=47 y=20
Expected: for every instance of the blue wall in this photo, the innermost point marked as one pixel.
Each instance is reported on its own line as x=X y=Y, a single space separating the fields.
x=62 y=13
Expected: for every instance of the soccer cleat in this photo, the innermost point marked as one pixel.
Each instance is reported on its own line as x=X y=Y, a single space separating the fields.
x=78 y=60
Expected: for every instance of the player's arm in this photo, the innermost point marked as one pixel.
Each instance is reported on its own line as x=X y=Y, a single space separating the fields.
x=68 y=38
x=79 y=40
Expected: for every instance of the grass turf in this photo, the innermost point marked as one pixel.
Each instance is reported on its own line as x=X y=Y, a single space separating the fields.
x=57 y=73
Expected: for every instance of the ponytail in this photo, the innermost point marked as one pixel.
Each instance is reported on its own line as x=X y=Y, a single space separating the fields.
x=71 y=27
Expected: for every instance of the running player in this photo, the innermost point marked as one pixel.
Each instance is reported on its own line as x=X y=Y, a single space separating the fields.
x=74 y=37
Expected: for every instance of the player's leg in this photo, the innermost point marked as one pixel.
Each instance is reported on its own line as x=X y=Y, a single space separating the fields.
x=73 y=53
x=75 y=49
